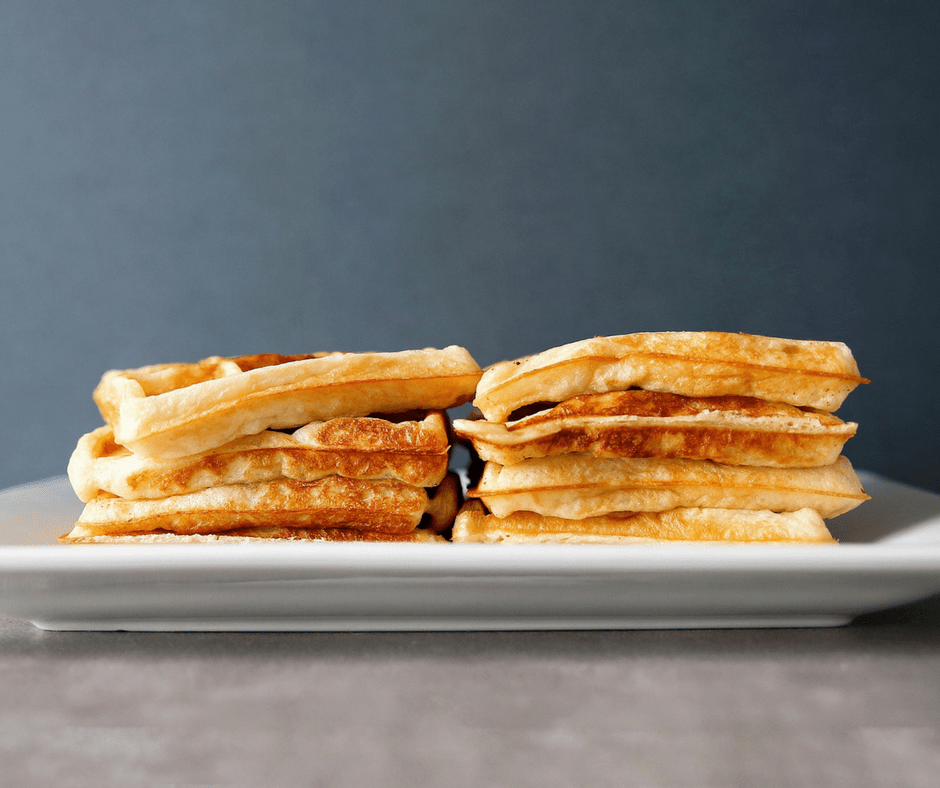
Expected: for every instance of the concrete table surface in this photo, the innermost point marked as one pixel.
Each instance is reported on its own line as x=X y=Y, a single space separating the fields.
x=850 y=706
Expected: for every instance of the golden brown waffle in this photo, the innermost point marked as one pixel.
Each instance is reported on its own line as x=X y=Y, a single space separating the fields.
x=360 y=509
x=730 y=429
x=727 y=526
x=575 y=486
x=263 y=534
x=697 y=364
x=415 y=451
x=178 y=410
x=676 y=436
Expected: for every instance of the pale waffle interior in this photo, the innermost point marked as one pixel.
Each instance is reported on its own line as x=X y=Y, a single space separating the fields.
x=646 y=436
x=375 y=476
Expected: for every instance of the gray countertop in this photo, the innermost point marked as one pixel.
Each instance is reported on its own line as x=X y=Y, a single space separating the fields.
x=854 y=706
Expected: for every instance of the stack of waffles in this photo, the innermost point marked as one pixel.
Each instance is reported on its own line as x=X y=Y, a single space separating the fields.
x=662 y=437
x=330 y=446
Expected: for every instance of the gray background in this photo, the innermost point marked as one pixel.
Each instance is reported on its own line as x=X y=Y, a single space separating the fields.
x=185 y=179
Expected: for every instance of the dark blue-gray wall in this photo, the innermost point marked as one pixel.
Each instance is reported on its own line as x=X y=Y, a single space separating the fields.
x=182 y=179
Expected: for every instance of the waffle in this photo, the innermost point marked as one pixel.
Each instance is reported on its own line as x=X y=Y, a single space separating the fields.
x=694 y=525
x=707 y=364
x=415 y=451
x=328 y=446
x=333 y=508
x=577 y=486
x=730 y=429
x=179 y=410
x=263 y=534
x=665 y=437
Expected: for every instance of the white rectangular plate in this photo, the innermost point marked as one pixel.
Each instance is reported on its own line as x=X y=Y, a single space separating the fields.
x=889 y=555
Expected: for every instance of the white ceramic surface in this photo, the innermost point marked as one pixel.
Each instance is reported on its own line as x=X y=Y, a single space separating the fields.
x=889 y=554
